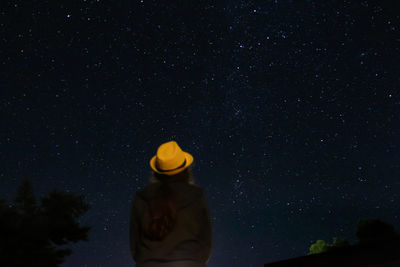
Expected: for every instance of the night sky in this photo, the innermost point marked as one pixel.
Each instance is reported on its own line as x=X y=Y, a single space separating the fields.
x=291 y=110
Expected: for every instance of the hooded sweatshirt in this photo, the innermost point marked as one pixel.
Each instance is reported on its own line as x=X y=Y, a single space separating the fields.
x=191 y=238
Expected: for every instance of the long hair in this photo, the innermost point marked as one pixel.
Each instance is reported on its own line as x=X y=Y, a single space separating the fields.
x=163 y=208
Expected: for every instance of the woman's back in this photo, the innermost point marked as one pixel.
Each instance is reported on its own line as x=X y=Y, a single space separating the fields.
x=191 y=237
x=170 y=222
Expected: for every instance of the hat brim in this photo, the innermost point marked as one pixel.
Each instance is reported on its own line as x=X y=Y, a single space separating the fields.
x=189 y=161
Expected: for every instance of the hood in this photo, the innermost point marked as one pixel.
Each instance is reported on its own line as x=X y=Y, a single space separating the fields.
x=185 y=193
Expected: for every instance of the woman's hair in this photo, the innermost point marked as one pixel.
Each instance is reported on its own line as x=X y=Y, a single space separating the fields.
x=163 y=208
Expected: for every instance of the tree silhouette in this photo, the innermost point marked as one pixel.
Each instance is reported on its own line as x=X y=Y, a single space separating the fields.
x=30 y=233
x=373 y=230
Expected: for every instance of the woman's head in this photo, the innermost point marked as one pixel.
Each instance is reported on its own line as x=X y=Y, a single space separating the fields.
x=166 y=168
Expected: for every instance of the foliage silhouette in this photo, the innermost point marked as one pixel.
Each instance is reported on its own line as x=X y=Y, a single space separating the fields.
x=318 y=247
x=322 y=246
x=369 y=231
x=30 y=233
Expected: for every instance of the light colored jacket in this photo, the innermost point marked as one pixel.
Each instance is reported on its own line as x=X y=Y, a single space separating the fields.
x=188 y=245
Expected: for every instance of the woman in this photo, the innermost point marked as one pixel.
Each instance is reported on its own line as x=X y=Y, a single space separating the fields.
x=170 y=223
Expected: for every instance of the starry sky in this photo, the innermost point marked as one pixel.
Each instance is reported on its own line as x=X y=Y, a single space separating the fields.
x=291 y=110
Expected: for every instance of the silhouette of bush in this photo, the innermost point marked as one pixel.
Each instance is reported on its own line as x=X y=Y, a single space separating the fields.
x=30 y=233
x=340 y=242
x=318 y=247
x=321 y=246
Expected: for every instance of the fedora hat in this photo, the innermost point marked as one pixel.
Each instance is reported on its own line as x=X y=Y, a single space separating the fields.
x=170 y=159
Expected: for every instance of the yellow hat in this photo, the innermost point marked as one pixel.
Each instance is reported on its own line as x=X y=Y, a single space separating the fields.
x=170 y=159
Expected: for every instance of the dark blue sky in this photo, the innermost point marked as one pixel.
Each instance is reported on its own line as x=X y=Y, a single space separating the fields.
x=291 y=110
